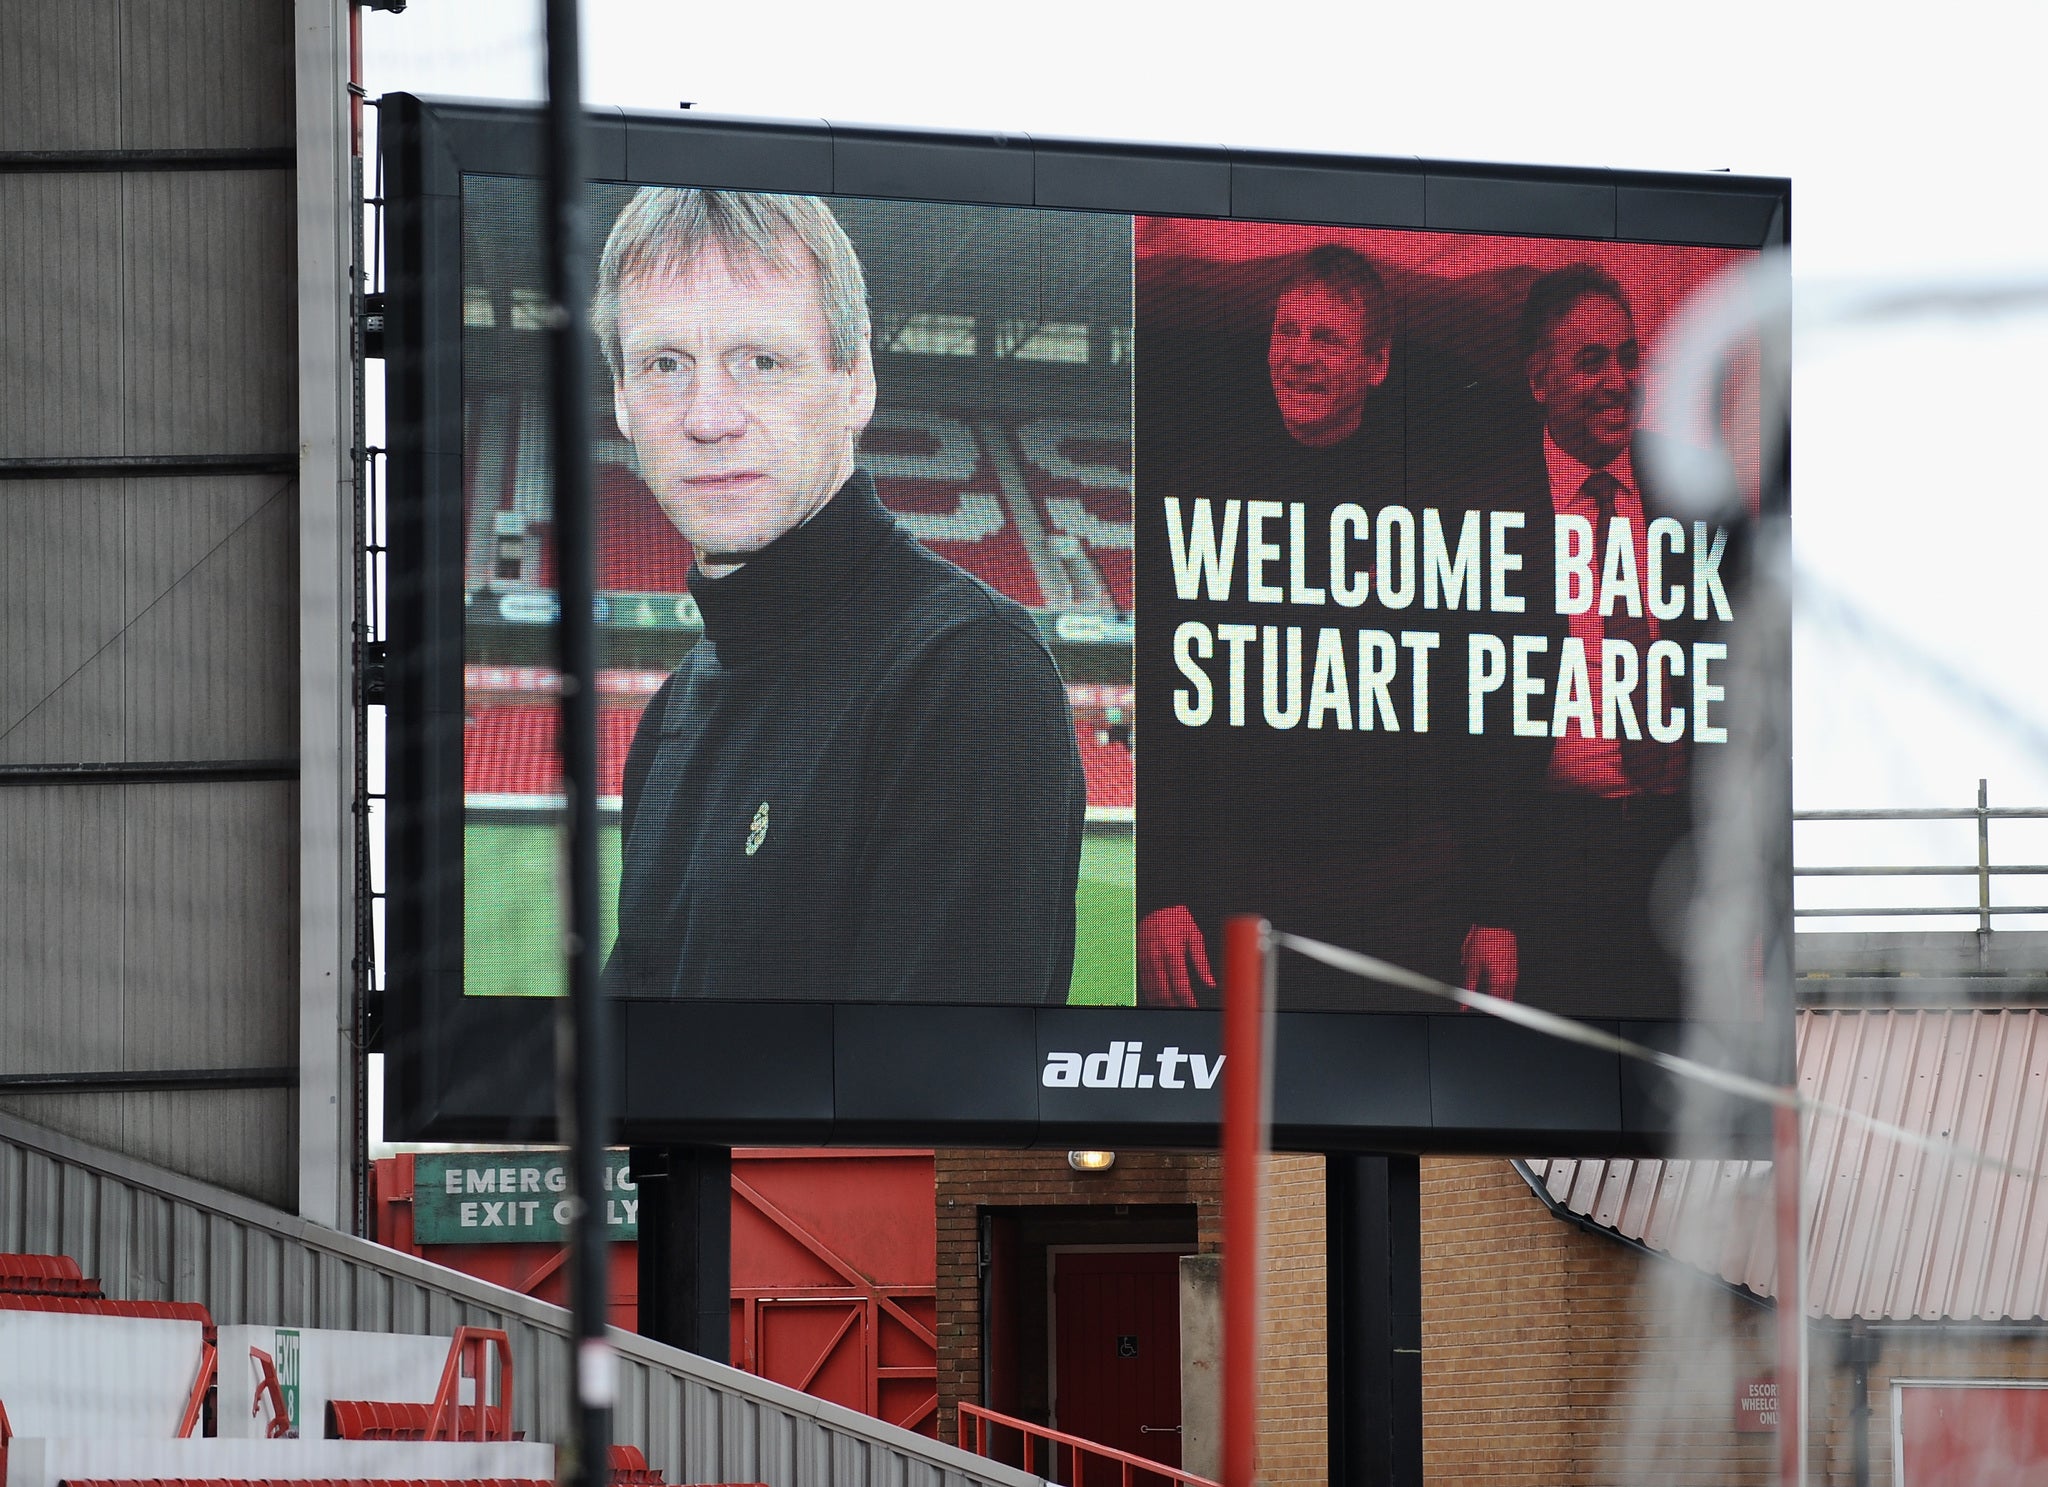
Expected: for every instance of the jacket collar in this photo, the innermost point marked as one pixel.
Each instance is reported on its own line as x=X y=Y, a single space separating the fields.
x=806 y=573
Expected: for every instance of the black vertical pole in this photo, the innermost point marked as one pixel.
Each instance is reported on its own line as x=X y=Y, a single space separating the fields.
x=1373 y=1208
x=581 y=1063
x=685 y=1247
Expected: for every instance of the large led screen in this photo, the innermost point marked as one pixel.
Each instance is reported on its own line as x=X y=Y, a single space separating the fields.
x=1359 y=522
x=927 y=470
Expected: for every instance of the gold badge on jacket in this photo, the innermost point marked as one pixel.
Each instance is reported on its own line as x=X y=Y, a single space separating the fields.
x=758 y=832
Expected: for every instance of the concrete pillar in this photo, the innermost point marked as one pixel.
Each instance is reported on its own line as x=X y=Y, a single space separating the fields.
x=1201 y=1364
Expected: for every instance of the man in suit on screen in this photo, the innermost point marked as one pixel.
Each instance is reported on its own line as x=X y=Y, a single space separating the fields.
x=1578 y=805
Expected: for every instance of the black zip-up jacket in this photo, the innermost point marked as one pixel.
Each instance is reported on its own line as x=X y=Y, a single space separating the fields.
x=862 y=785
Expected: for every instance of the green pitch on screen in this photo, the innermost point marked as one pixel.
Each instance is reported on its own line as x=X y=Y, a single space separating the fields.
x=511 y=921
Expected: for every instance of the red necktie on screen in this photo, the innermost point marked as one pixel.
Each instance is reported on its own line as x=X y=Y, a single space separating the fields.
x=1651 y=768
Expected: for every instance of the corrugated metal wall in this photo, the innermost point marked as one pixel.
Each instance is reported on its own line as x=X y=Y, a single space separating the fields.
x=1895 y=1232
x=152 y=1236
x=149 y=613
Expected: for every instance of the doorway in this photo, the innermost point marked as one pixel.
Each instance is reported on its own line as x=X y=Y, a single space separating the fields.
x=1115 y=1328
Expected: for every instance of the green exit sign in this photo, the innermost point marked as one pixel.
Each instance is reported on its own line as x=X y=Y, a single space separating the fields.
x=510 y=1197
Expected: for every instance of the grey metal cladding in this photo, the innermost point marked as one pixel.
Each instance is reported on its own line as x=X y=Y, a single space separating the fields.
x=60 y=75
x=242 y=1140
x=203 y=74
x=245 y=1140
x=153 y=1235
x=992 y=169
x=63 y=859
x=151 y=927
x=211 y=654
x=61 y=241
x=1291 y=188
x=208 y=330
x=1475 y=201
x=792 y=155
x=1143 y=179
x=67 y=1199
x=212 y=946
x=63 y=603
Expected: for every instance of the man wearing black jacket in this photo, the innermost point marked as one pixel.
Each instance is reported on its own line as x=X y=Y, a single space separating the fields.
x=863 y=783
x=1331 y=821
x=1578 y=803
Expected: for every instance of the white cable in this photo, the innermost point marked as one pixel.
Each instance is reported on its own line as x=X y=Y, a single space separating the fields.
x=1550 y=1024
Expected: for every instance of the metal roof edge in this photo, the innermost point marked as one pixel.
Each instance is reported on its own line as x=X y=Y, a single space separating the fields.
x=1586 y=1225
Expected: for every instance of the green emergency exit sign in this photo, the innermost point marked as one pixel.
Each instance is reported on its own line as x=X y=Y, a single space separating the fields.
x=510 y=1197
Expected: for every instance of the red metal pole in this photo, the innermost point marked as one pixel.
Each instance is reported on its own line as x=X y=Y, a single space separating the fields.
x=1785 y=1174
x=1245 y=952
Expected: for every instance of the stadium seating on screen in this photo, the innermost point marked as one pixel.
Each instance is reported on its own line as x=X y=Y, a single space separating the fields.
x=1079 y=474
x=508 y=747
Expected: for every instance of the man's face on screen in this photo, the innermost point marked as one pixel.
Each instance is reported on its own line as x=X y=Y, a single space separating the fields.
x=1322 y=364
x=743 y=426
x=1587 y=377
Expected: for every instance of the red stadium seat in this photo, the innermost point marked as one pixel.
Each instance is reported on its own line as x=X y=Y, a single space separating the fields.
x=615 y=725
x=1079 y=475
x=639 y=550
x=176 y=1311
x=383 y=1420
x=46 y=1275
x=308 y=1482
x=1106 y=763
x=931 y=470
x=629 y=1468
x=509 y=748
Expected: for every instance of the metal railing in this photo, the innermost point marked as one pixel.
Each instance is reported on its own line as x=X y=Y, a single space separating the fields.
x=155 y=1235
x=1125 y=1469
x=1984 y=870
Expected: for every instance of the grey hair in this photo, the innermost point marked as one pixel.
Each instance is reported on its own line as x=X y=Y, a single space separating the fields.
x=664 y=228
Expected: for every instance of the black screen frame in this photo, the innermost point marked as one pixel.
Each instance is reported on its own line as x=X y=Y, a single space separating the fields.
x=482 y=1069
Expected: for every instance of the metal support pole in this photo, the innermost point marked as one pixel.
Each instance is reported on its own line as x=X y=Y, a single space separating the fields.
x=1785 y=1159
x=685 y=1249
x=1983 y=874
x=1859 y=1352
x=1247 y=1007
x=582 y=1065
x=1373 y=1212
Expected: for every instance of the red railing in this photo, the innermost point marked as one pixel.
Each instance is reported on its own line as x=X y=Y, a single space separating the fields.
x=195 y=1403
x=468 y=1358
x=1130 y=1470
x=269 y=1386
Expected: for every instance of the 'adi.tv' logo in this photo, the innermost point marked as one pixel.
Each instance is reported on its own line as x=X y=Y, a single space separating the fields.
x=1123 y=1066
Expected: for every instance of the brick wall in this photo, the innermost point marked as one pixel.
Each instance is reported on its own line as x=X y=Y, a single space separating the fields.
x=1294 y=1424
x=1531 y=1336
x=1555 y=1356
x=969 y=1180
x=1293 y=1412
x=1552 y=1357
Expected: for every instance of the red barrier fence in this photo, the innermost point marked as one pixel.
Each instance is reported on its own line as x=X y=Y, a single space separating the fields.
x=1116 y=1466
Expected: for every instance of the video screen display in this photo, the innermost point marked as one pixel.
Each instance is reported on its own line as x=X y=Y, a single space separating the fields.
x=908 y=512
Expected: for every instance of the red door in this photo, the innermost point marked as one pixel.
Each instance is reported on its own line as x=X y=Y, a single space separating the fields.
x=1983 y=1436
x=1116 y=1365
